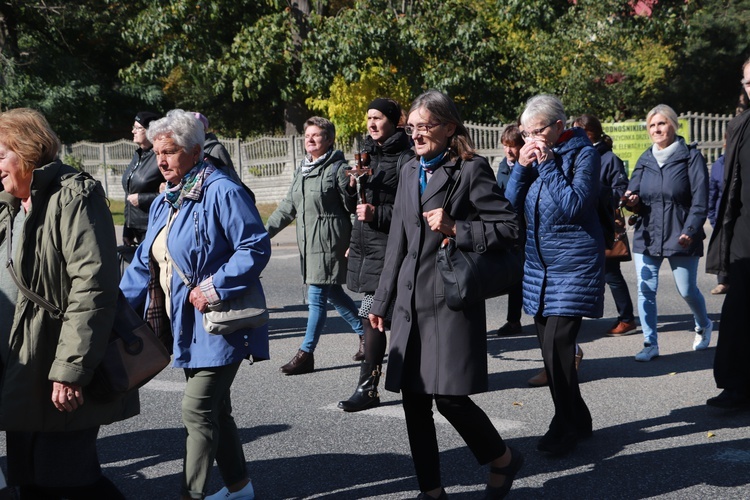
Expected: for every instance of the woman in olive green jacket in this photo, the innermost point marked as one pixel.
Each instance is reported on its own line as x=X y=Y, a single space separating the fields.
x=63 y=249
x=317 y=199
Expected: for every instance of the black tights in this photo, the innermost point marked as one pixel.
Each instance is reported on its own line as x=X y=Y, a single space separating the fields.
x=375 y=342
x=102 y=489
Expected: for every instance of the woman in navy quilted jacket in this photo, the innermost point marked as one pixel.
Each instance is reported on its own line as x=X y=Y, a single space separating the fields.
x=555 y=182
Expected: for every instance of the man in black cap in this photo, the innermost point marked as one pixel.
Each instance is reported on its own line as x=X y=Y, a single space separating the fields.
x=140 y=181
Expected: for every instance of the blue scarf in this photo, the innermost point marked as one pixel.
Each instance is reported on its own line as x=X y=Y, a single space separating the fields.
x=428 y=166
x=190 y=186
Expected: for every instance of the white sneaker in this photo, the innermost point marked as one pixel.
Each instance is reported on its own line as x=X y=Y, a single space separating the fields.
x=246 y=493
x=702 y=337
x=648 y=353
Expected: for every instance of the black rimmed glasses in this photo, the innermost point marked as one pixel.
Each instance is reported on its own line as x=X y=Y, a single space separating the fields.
x=535 y=133
x=421 y=128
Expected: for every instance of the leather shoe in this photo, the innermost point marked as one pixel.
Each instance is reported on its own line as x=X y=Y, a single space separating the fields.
x=510 y=472
x=557 y=445
x=510 y=328
x=720 y=289
x=622 y=328
x=730 y=399
x=302 y=362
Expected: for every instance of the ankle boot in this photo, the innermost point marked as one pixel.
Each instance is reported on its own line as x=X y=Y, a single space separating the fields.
x=302 y=362
x=366 y=394
x=360 y=354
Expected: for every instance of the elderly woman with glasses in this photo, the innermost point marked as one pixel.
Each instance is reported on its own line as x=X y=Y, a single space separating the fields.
x=439 y=355
x=669 y=191
x=205 y=245
x=555 y=184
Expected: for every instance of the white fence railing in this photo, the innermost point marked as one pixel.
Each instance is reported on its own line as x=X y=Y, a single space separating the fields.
x=267 y=163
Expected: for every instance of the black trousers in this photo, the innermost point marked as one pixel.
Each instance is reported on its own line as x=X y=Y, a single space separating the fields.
x=557 y=337
x=515 y=303
x=731 y=367
x=466 y=417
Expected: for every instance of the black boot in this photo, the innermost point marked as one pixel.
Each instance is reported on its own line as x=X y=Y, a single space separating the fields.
x=366 y=394
x=360 y=354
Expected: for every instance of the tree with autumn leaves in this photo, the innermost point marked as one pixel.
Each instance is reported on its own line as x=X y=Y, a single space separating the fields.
x=263 y=66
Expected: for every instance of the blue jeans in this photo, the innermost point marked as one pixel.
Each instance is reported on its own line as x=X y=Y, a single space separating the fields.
x=685 y=272
x=317 y=298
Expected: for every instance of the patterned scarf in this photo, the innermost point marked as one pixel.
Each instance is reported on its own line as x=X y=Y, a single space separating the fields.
x=309 y=164
x=190 y=186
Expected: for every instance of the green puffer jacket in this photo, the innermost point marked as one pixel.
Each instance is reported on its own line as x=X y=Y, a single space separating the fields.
x=324 y=226
x=68 y=255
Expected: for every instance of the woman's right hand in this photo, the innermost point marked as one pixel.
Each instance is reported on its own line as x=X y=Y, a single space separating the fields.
x=377 y=322
x=533 y=150
x=631 y=198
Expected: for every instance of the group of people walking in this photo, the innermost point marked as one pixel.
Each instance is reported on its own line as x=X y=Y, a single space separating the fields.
x=376 y=229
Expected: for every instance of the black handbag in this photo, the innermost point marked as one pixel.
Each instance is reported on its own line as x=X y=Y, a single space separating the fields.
x=134 y=354
x=471 y=276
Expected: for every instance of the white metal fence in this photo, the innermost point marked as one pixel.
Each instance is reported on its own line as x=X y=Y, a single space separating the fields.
x=267 y=163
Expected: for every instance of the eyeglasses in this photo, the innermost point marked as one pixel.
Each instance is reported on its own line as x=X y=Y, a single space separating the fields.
x=138 y=128
x=316 y=135
x=421 y=128
x=537 y=132
x=745 y=83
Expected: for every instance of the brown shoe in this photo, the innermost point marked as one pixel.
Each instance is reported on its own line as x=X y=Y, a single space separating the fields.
x=360 y=354
x=720 y=289
x=302 y=362
x=622 y=328
x=540 y=379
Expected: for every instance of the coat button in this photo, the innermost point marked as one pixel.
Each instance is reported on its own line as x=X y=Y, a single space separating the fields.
x=408 y=285
x=414 y=254
x=407 y=316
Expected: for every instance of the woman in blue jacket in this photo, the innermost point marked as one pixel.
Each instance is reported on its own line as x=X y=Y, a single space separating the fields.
x=556 y=184
x=669 y=192
x=206 y=225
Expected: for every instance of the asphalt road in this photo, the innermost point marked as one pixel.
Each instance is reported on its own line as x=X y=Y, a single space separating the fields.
x=654 y=437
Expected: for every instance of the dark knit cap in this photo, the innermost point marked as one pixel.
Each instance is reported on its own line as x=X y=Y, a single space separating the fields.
x=146 y=117
x=388 y=107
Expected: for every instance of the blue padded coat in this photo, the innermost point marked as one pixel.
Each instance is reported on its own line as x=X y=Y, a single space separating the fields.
x=564 y=269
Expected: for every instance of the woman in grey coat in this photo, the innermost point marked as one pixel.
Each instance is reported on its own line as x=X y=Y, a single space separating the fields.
x=437 y=353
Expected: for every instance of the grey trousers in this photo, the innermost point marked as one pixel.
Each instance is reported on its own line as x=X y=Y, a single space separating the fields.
x=211 y=430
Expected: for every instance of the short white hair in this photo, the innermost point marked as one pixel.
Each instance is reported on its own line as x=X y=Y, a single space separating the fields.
x=544 y=107
x=182 y=127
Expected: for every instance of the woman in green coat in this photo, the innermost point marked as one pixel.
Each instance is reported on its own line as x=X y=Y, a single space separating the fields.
x=317 y=199
x=63 y=248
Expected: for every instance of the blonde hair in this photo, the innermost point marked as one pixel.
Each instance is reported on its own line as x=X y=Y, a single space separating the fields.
x=667 y=112
x=28 y=134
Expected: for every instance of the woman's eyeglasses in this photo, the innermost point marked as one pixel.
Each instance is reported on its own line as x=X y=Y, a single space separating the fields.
x=422 y=128
x=537 y=132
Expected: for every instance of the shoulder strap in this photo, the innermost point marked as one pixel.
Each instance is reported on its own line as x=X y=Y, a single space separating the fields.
x=48 y=306
x=182 y=276
x=452 y=189
x=400 y=160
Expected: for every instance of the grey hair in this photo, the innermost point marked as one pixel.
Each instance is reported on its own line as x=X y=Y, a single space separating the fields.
x=182 y=127
x=328 y=128
x=544 y=106
x=444 y=110
x=667 y=112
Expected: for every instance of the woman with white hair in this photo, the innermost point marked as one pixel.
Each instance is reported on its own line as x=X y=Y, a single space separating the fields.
x=555 y=184
x=669 y=192
x=206 y=227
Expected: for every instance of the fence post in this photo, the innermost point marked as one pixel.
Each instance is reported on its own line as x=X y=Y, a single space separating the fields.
x=104 y=166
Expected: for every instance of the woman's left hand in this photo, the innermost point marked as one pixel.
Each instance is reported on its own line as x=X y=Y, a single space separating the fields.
x=198 y=300
x=66 y=397
x=685 y=240
x=440 y=222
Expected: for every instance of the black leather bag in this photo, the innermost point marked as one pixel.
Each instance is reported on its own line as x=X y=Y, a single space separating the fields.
x=471 y=276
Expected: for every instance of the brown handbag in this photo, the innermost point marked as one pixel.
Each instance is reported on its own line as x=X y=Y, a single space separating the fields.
x=620 y=250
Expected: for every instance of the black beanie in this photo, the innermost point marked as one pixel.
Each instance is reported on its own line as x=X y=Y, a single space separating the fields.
x=389 y=108
x=146 y=117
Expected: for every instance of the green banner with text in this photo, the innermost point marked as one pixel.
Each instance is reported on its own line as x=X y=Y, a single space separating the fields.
x=631 y=139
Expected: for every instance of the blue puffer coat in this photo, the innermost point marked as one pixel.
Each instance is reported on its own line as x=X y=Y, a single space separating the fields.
x=565 y=244
x=674 y=201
